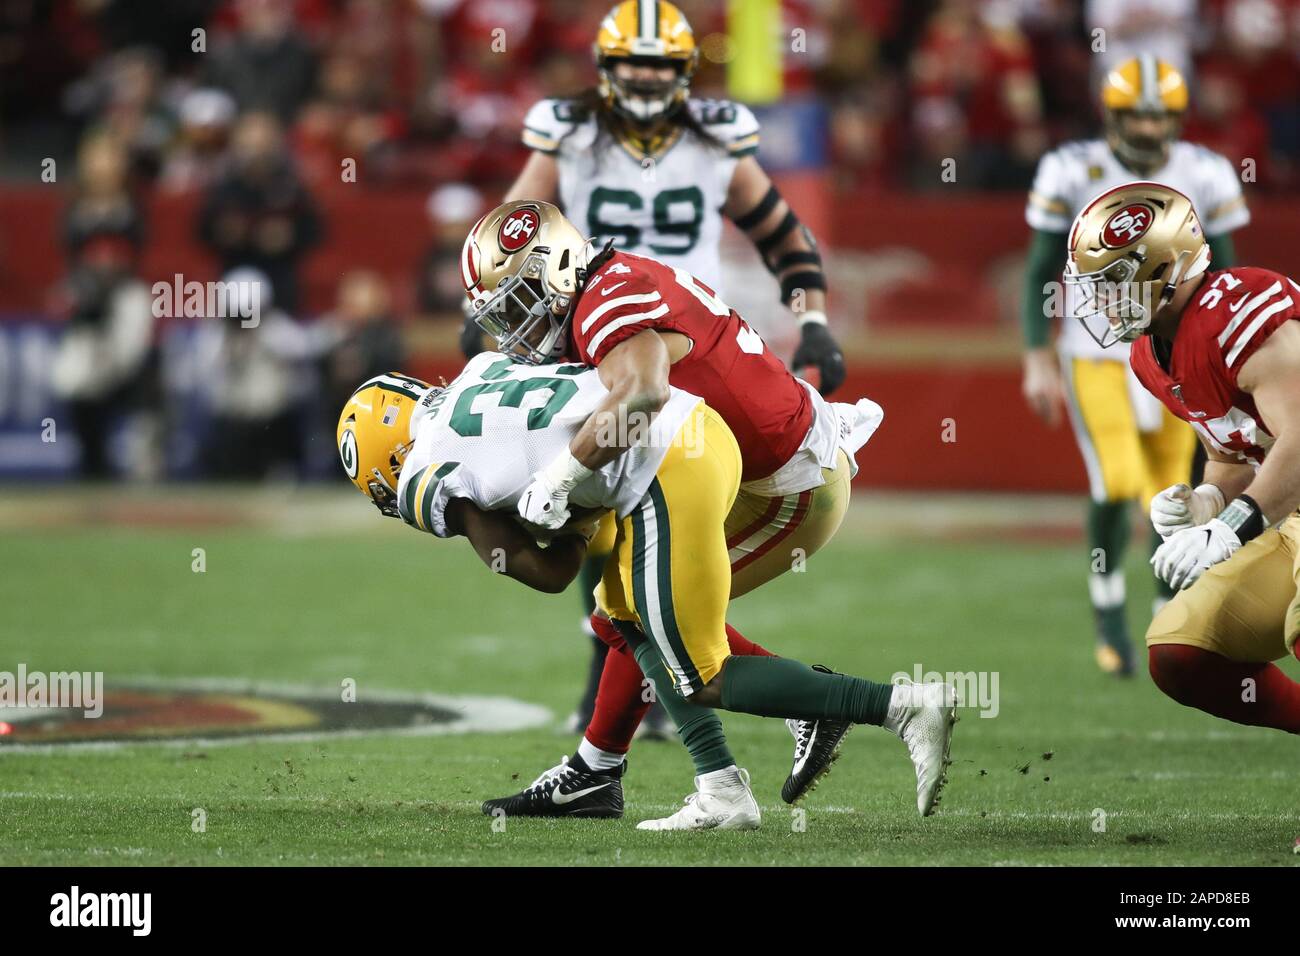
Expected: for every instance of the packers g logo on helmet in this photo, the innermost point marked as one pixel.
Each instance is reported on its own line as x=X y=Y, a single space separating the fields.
x=645 y=32
x=348 y=452
x=374 y=435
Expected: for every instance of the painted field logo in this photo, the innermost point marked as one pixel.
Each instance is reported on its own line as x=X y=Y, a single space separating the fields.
x=233 y=711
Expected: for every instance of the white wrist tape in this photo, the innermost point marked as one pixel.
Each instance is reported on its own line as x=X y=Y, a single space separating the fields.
x=813 y=317
x=566 y=472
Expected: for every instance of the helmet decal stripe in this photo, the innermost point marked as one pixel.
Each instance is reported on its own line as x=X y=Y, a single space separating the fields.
x=649 y=28
x=1149 y=98
x=399 y=388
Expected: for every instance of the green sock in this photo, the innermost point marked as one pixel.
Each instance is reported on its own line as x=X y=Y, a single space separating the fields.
x=781 y=687
x=1108 y=533
x=699 y=727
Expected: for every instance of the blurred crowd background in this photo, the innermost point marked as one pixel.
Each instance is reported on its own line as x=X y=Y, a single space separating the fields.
x=130 y=150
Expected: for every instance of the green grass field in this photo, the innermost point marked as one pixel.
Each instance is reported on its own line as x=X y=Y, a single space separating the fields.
x=312 y=588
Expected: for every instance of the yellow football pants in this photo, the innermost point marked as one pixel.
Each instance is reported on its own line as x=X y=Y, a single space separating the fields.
x=1245 y=608
x=602 y=543
x=1124 y=462
x=670 y=554
x=708 y=557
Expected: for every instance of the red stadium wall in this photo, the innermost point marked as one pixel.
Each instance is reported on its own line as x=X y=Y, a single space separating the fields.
x=998 y=445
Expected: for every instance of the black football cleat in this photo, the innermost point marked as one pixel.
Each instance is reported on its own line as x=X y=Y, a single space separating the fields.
x=570 y=789
x=816 y=747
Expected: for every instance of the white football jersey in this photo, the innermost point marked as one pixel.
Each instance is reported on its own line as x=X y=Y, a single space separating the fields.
x=667 y=206
x=1071 y=175
x=485 y=435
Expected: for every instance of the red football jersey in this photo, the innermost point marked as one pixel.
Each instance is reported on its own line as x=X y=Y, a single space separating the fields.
x=1230 y=317
x=728 y=365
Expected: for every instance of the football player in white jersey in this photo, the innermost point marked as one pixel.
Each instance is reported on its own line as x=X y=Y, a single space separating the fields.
x=639 y=162
x=1132 y=447
x=458 y=460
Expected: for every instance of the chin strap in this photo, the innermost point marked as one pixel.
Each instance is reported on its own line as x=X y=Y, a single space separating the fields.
x=1183 y=270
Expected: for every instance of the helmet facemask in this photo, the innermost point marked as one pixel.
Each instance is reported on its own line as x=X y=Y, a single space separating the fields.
x=645 y=101
x=521 y=307
x=1113 y=307
x=1110 y=305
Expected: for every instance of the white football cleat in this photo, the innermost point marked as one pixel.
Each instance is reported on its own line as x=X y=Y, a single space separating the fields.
x=923 y=715
x=722 y=801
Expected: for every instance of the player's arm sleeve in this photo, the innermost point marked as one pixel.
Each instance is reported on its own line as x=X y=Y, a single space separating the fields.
x=546 y=124
x=739 y=130
x=733 y=125
x=1042 y=276
x=1225 y=207
x=787 y=246
x=635 y=306
x=1048 y=208
x=423 y=495
x=1277 y=303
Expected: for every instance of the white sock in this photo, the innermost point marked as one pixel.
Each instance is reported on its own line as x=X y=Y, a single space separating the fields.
x=723 y=779
x=598 y=759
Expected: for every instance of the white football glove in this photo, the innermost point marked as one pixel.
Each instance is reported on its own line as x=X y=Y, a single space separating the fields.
x=545 y=502
x=1179 y=507
x=1189 y=553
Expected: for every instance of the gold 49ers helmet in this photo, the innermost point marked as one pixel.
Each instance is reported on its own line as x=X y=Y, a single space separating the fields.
x=1143 y=101
x=522 y=265
x=645 y=33
x=1130 y=249
x=374 y=435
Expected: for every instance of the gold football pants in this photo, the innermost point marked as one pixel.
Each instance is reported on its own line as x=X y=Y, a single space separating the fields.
x=1244 y=608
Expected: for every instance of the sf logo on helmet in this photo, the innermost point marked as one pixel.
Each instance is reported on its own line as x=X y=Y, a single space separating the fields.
x=1127 y=226
x=517 y=230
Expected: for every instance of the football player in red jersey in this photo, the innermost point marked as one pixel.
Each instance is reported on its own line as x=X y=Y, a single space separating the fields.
x=544 y=293
x=1220 y=350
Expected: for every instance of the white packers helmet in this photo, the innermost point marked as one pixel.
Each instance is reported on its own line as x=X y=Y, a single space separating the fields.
x=375 y=433
x=523 y=265
x=645 y=32
x=1129 y=251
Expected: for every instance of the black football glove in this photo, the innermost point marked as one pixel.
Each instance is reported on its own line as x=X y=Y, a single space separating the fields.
x=817 y=348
